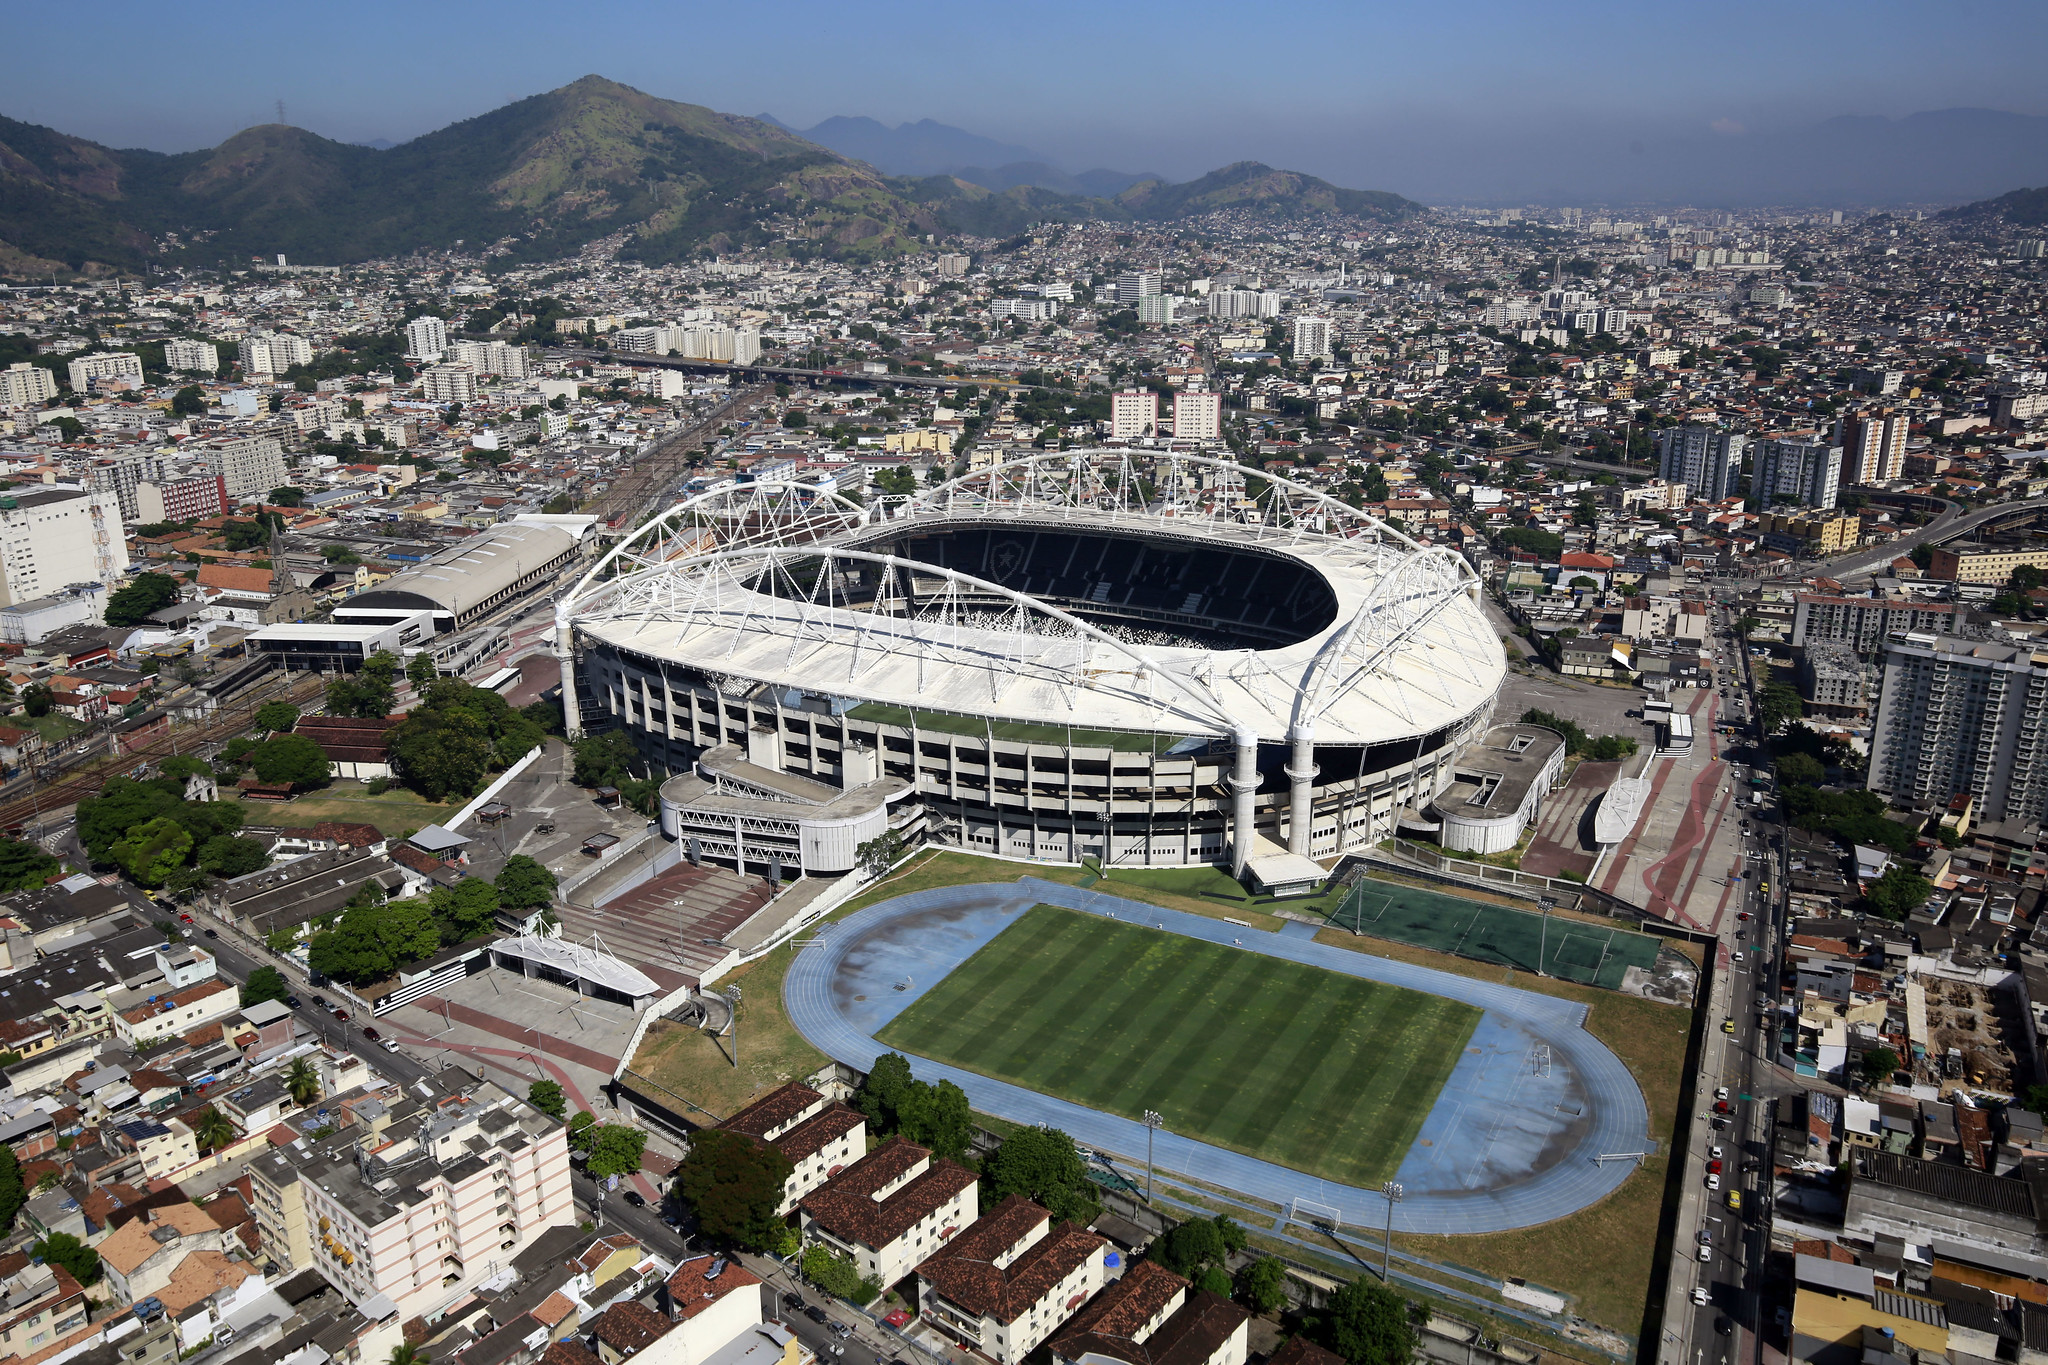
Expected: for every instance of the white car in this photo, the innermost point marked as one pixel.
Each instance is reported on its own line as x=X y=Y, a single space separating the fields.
x=1713 y=1183
x=1699 y=1294
x=1735 y=958
x=1721 y=1092
x=1713 y=1153
x=1706 y=1254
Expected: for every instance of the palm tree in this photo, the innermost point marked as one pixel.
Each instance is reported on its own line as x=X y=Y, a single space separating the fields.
x=213 y=1130
x=405 y=1353
x=303 y=1082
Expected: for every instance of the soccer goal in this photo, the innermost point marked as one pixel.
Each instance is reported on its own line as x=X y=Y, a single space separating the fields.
x=1361 y=908
x=1325 y=1216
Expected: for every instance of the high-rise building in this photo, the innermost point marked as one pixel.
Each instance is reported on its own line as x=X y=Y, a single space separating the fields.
x=106 y=370
x=449 y=1185
x=251 y=465
x=1197 y=415
x=1873 y=444
x=55 y=536
x=952 y=263
x=203 y=495
x=122 y=474
x=1704 y=459
x=273 y=352
x=1156 y=310
x=183 y=354
x=449 y=384
x=1244 y=303
x=500 y=358
x=1312 y=338
x=1133 y=413
x=426 y=339
x=1963 y=718
x=1807 y=472
x=24 y=385
x=1133 y=285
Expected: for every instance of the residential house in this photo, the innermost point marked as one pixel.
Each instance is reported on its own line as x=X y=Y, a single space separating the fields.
x=1154 y=1317
x=1001 y=1287
x=892 y=1209
x=820 y=1137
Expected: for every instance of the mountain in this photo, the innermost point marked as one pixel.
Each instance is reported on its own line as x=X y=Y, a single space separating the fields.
x=920 y=148
x=1096 y=184
x=545 y=175
x=1256 y=186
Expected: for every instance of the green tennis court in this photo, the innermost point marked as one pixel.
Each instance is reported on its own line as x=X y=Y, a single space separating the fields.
x=1324 y=1072
x=1570 y=949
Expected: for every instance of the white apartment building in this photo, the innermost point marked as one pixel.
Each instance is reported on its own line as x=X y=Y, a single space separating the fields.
x=24 y=385
x=250 y=465
x=740 y=345
x=1030 y=310
x=183 y=354
x=273 y=352
x=1873 y=445
x=1133 y=413
x=106 y=370
x=491 y=357
x=422 y=1202
x=1962 y=718
x=1003 y=1286
x=820 y=1137
x=1156 y=310
x=1312 y=338
x=1808 y=472
x=1197 y=415
x=426 y=339
x=449 y=384
x=892 y=1209
x=1244 y=303
x=953 y=263
x=1704 y=459
x=56 y=536
x=177 y=1013
x=1133 y=285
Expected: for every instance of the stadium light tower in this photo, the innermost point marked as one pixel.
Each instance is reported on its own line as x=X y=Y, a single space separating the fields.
x=1153 y=1123
x=1392 y=1190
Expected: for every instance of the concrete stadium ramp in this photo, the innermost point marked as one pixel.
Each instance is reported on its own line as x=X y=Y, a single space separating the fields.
x=1513 y=1139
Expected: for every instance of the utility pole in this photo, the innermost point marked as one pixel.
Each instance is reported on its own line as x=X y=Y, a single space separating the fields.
x=1392 y=1190
x=732 y=997
x=1153 y=1123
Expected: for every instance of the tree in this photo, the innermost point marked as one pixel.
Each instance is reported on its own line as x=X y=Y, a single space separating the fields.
x=24 y=866
x=421 y=671
x=1043 y=1165
x=61 y=1248
x=278 y=717
x=615 y=1149
x=837 y=1275
x=405 y=1353
x=877 y=855
x=1367 y=1324
x=1262 y=1285
x=37 y=699
x=525 y=883
x=287 y=496
x=132 y=604
x=265 y=983
x=735 y=1185
x=1899 y=892
x=1878 y=1065
x=213 y=1130
x=189 y=401
x=292 y=760
x=1191 y=1246
x=371 y=939
x=224 y=855
x=1800 y=770
x=1776 y=704
x=302 y=1081
x=579 y=1130
x=547 y=1097
x=457 y=735
x=153 y=851
x=1745 y=625
x=366 y=696
x=339 y=554
x=12 y=1193
x=470 y=906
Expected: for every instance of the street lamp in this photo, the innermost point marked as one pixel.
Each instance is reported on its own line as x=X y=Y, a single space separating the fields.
x=1392 y=1190
x=1153 y=1123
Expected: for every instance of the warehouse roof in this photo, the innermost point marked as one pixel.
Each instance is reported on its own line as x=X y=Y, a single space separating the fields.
x=466 y=575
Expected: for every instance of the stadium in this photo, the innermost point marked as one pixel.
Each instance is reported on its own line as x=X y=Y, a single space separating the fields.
x=1150 y=659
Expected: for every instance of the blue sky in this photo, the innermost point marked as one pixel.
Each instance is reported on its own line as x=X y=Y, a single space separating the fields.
x=1358 y=92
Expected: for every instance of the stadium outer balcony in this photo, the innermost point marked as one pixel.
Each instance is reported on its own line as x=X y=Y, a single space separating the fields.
x=1022 y=728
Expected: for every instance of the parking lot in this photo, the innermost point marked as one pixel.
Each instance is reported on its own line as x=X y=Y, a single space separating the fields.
x=1595 y=709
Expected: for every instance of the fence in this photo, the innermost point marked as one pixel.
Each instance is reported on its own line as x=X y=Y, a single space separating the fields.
x=1432 y=865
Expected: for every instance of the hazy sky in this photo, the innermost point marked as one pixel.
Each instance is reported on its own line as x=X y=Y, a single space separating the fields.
x=1433 y=96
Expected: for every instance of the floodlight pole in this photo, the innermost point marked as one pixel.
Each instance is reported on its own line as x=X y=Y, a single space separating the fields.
x=1153 y=1123
x=732 y=996
x=1392 y=1190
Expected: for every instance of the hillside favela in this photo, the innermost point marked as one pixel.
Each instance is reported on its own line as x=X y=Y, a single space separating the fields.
x=633 y=733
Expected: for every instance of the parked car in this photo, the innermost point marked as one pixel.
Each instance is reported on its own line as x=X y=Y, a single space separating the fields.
x=320 y=1002
x=292 y=1001
x=793 y=1302
x=1699 y=1294
x=815 y=1313
x=1713 y=1168
x=372 y=1034
x=1706 y=1253
x=636 y=1199
x=842 y=1329
x=1713 y=1182
x=341 y=1015
x=389 y=1045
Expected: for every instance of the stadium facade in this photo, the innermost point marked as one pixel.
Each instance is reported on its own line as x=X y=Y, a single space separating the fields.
x=1150 y=659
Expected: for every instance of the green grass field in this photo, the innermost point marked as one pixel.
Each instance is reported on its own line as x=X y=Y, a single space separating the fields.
x=1315 y=1070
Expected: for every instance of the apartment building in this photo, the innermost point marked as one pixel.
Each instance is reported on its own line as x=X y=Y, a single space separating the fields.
x=1873 y=443
x=56 y=536
x=176 y=1013
x=105 y=370
x=1197 y=415
x=1002 y=1287
x=1809 y=535
x=707 y=1305
x=820 y=1137
x=1865 y=623
x=1133 y=413
x=422 y=1201
x=892 y=1209
x=250 y=466
x=1154 y=1317
x=491 y=357
x=202 y=495
x=273 y=353
x=23 y=385
x=1312 y=338
x=449 y=384
x=1963 y=562
x=1807 y=472
x=202 y=357
x=122 y=474
x=426 y=339
x=43 y=1312
x=1704 y=459
x=1963 y=718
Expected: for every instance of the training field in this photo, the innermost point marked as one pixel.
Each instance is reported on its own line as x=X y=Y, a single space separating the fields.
x=1322 y=1072
x=1571 y=949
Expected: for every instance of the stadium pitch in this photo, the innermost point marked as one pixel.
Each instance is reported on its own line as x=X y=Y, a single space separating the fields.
x=1325 y=1073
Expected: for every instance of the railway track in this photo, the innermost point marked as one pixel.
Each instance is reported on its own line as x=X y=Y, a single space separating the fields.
x=634 y=489
x=228 y=722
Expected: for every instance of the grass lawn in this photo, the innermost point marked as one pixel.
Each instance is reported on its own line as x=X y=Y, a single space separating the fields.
x=1319 y=1071
x=1603 y=1256
x=397 y=811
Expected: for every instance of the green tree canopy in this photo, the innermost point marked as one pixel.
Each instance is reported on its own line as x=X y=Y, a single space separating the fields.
x=12 y=1193
x=547 y=1097
x=1878 y=1064
x=457 y=736
x=1777 y=704
x=189 y=401
x=276 y=716
x=132 y=604
x=225 y=855
x=614 y=1149
x=469 y=908
x=265 y=983
x=152 y=851
x=1043 y=1165
x=1899 y=892
x=24 y=866
x=371 y=939
x=420 y=670
x=61 y=1248
x=291 y=759
x=525 y=883
x=1262 y=1285
x=1367 y=1324
x=124 y=804
x=735 y=1185
x=1800 y=770
x=370 y=693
